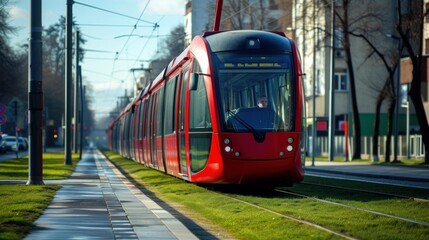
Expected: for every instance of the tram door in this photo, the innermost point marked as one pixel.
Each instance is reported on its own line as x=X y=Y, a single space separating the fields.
x=153 y=129
x=181 y=128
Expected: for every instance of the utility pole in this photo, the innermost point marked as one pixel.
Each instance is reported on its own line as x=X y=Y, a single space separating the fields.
x=15 y=112
x=315 y=39
x=68 y=85
x=76 y=93
x=82 y=102
x=35 y=96
x=331 y=133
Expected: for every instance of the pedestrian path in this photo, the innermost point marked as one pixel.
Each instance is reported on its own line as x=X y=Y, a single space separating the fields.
x=416 y=176
x=98 y=202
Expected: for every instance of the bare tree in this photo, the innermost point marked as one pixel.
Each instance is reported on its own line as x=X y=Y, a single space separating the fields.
x=247 y=14
x=171 y=48
x=352 y=18
x=410 y=29
x=387 y=92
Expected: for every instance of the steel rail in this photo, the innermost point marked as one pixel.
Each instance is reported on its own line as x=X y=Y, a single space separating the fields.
x=357 y=208
x=290 y=217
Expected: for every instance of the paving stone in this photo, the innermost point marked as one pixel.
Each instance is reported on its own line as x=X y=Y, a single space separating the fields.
x=98 y=202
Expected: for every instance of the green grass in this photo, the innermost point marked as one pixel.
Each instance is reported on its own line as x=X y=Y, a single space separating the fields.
x=21 y=205
x=240 y=220
x=53 y=167
x=246 y=222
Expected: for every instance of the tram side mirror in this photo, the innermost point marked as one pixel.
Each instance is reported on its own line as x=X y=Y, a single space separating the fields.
x=193 y=85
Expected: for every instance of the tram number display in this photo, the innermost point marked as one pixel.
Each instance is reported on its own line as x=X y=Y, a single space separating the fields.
x=252 y=65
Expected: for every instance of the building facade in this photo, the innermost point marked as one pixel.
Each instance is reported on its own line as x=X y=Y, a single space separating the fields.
x=371 y=27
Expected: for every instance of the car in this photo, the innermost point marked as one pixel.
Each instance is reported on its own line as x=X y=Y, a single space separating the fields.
x=10 y=142
x=3 y=148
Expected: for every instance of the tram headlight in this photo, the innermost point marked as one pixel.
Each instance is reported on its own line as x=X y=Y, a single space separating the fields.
x=253 y=43
x=289 y=148
x=290 y=140
x=228 y=149
x=226 y=141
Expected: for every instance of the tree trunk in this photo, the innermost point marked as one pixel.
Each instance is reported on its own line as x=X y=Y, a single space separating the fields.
x=355 y=111
x=390 y=112
x=416 y=98
x=376 y=131
x=415 y=53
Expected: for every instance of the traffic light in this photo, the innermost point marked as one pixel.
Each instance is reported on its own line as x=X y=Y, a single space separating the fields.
x=18 y=130
x=55 y=134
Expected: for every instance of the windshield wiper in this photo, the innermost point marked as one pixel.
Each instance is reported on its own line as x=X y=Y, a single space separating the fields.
x=259 y=136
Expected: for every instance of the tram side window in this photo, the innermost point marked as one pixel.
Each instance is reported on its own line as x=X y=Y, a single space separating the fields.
x=200 y=112
x=140 y=120
x=200 y=124
x=159 y=110
x=169 y=106
x=145 y=116
x=182 y=106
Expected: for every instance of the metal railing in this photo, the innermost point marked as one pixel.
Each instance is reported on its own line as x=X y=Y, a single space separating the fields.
x=416 y=147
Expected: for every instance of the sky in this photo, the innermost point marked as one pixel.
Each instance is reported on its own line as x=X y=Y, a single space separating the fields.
x=106 y=41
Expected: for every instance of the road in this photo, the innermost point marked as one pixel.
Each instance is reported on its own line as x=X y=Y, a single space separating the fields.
x=11 y=154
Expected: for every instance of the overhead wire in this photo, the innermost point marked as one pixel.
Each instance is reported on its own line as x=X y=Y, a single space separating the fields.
x=118 y=54
x=112 y=25
x=112 y=12
x=132 y=31
x=134 y=27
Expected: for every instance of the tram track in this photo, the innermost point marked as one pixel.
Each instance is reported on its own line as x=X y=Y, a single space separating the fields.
x=355 y=207
x=290 y=217
x=270 y=203
x=367 y=191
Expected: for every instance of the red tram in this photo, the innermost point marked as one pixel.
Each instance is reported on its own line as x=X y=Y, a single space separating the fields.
x=199 y=119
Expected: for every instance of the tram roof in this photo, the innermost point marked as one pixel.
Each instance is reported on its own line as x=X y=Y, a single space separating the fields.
x=241 y=40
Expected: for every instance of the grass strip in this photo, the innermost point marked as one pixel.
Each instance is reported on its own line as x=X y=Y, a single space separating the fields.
x=21 y=205
x=240 y=220
x=53 y=167
x=245 y=222
x=356 y=223
x=401 y=207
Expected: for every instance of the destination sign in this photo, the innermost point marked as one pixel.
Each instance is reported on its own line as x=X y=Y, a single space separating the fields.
x=252 y=65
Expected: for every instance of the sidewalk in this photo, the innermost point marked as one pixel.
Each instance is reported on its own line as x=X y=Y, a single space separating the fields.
x=98 y=202
x=368 y=170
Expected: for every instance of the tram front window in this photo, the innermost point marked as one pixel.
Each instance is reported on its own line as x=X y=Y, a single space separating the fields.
x=257 y=91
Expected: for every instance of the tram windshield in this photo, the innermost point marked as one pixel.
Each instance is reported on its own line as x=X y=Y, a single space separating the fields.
x=256 y=91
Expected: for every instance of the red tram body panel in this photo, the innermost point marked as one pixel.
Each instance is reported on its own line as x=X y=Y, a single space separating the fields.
x=228 y=110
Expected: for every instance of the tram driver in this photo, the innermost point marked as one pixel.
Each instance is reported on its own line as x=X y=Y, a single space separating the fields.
x=263 y=102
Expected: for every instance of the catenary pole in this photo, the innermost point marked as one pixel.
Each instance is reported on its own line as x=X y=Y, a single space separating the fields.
x=82 y=102
x=315 y=39
x=76 y=93
x=68 y=85
x=35 y=96
x=331 y=133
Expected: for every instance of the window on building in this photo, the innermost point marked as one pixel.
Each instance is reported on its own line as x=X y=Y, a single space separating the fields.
x=338 y=39
x=340 y=81
x=427 y=45
x=320 y=83
x=427 y=15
